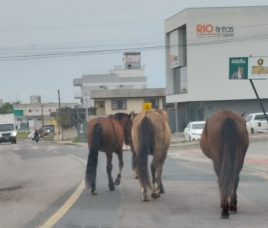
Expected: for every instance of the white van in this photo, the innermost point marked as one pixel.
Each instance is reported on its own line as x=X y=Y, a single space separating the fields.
x=8 y=131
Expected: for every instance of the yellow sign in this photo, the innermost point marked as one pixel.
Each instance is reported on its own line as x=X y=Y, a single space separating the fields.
x=54 y=122
x=147 y=106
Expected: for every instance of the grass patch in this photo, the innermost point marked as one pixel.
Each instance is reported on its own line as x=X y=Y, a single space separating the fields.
x=22 y=135
x=75 y=140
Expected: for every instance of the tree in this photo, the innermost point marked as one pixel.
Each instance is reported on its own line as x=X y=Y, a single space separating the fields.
x=7 y=108
x=64 y=117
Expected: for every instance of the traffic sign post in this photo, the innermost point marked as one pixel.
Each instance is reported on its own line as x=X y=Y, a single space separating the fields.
x=147 y=106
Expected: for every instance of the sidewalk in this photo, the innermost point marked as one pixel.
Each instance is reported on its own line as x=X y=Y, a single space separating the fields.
x=177 y=140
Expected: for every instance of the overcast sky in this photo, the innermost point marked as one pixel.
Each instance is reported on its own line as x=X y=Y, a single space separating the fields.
x=35 y=27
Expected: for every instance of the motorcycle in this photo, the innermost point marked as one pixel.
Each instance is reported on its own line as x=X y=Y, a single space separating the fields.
x=36 y=138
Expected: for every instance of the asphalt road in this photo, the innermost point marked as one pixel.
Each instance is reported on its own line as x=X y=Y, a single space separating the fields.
x=38 y=179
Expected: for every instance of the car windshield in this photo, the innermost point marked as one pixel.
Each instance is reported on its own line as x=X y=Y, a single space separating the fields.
x=248 y=118
x=6 y=127
x=198 y=126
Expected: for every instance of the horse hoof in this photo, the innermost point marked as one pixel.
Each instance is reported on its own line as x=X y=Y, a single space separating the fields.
x=155 y=195
x=233 y=209
x=161 y=191
x=117 y=181
x=145 y=198
x=111 y=188
x=224 y=214
x=94 y=193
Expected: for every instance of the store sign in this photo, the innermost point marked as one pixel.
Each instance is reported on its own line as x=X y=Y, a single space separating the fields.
x=132 y=58
x=258 y=67
x=238 y=68
x=248 y=68
x=210 y=30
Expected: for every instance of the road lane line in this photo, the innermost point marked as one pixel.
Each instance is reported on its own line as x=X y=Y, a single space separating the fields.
x=55 y=152
x=16 y=148
x=48 y=149
x=68 y=204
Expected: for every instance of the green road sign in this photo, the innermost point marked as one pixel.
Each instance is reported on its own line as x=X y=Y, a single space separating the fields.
x=18 y=112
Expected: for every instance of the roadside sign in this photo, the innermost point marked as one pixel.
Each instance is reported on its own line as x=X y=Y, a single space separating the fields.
x=258 y=68
x=18 y=112
x=238 y=68
x=54 y=122
x=248 y=68
x=147 y=106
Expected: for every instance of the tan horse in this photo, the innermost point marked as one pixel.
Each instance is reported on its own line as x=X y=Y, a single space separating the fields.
x=225 y=141
x=151 y=135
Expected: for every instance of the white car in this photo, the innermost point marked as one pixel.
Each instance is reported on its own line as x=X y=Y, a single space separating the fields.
x=256 y=123
x=193 y=130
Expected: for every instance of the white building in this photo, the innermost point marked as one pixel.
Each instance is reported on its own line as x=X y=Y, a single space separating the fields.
x=130 y=76
x=200 y=42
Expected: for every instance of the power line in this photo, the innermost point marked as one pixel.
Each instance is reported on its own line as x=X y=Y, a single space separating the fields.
x=145 y=48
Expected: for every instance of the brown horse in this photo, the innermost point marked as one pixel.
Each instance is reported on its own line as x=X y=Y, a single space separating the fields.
x=151 y=135
x=225 y=141
x=106 y=135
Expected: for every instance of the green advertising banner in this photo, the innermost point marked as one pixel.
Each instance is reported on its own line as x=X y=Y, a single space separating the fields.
x=238 y=68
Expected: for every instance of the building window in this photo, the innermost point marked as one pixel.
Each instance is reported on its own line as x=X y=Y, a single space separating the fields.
x=121 y=86
x=155 y=102
x=180 y=80
x=119 y=104
x=37 y=110
x=29 y=110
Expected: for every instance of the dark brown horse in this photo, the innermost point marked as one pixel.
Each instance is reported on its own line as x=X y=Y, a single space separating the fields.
x=106 y=135
x=151 y=135
x=225 y=141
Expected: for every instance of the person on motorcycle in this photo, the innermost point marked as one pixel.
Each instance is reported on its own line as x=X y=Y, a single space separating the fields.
x=36 y=135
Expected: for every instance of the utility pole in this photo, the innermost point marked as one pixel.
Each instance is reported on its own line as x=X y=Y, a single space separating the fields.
x=42 y=115
x=59 y=116
x=86 y=110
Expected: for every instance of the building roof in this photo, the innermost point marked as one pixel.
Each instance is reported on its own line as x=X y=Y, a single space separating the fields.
x=128 y=93
x=221 y=7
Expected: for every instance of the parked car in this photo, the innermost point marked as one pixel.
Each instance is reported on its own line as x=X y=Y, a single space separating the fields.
x=256 y=123
x=193 y=130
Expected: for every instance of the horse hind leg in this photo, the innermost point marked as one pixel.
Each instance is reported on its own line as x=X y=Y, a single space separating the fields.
x=109 y=168
x=134 y=165
x=155 y=194
x=121 y=164
x=233 y=201
x=159 y=175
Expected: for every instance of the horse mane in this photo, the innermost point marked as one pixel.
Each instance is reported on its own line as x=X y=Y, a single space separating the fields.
x=120 y=115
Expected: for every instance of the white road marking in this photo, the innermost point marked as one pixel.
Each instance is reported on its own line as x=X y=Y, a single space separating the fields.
x=48 y=149
x=16 y=148
x=55 y=152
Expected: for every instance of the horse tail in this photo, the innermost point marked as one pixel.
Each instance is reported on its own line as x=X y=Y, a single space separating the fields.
x=146 y=144
x=227 y=174
x=92 y=160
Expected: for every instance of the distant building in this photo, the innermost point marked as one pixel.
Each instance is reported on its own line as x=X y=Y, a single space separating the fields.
x=39 y=111
x=126 y=100
x=130 y=76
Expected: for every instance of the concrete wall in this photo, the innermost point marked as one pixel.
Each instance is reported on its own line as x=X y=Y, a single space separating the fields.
x=247 y=106
x=69 y=134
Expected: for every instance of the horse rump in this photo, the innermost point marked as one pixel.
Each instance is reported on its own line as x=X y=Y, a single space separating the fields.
x=146 y=145
x=93 y=156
